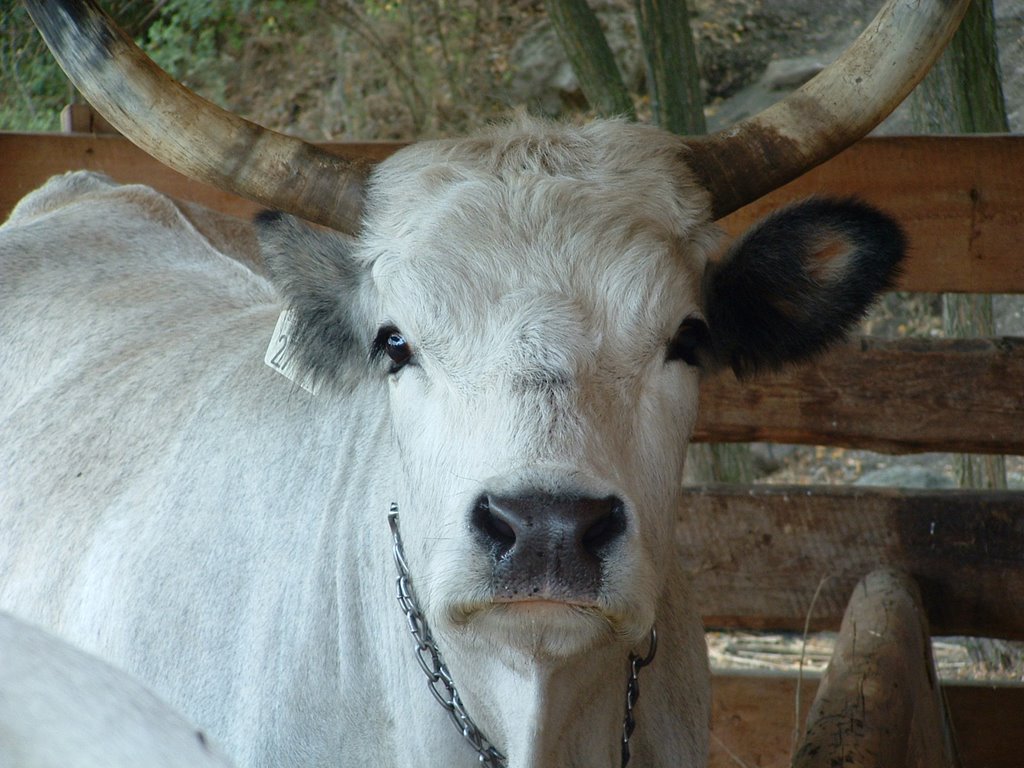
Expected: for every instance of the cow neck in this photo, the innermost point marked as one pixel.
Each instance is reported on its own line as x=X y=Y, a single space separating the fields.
x=442 y=686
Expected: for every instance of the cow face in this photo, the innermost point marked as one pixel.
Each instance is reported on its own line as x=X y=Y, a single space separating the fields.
x=538 y=307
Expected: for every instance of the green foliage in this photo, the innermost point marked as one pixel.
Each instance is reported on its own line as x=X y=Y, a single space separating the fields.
x=185 y=37
x=425 y=67
x=33 y=86
x=374 y=68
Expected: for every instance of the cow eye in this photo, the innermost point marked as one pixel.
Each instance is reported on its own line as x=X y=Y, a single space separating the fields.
x=685 y=345
x=392 y=343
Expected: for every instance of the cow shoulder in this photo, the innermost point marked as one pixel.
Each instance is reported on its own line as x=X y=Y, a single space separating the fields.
x=57 y=192
x=798 y=281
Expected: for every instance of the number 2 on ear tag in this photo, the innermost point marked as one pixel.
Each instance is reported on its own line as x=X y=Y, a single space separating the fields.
x=280 y=354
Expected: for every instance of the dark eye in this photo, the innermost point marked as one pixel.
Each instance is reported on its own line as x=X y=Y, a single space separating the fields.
x=392 y=343
x=686 y=344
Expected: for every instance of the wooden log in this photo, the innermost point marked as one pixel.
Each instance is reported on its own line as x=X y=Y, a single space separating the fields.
x=879 y=703
x=961 y=199
x=753 y=717
x=757 y=554
x=903 y=396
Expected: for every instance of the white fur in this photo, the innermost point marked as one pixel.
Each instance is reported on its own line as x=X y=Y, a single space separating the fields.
x=173 y=505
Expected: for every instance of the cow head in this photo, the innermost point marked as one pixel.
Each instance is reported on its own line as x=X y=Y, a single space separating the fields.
x=537 y=307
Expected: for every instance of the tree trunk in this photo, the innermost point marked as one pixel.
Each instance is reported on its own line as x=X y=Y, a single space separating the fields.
x=587 y=48
x=963 y=94
x=673 y=77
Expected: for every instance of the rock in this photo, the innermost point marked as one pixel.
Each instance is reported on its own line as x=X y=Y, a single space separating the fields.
x=787 y=74
x=769 y=457
x=907 y=476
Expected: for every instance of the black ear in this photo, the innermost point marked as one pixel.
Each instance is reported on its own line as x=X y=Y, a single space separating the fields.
x=319 y=281
x=798 y=281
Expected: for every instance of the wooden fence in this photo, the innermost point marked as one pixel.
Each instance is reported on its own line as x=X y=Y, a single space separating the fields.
x=758 y=553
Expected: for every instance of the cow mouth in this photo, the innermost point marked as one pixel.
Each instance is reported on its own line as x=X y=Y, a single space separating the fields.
x=540 y=607
x=542 y=628
x=546 y=598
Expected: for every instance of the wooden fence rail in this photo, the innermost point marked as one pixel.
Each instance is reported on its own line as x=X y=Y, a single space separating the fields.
x=962 y=209
x=965 y=217
x=904 y=396
x=758 y=553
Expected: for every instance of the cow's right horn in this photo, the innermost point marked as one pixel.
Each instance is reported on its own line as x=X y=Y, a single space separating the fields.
x=190 y=134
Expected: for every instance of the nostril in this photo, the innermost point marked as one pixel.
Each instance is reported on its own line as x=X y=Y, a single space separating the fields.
x=607 y=528
x=501 y=530
x=497 y=530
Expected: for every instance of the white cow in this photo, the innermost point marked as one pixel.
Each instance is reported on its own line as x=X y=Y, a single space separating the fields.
x=60 y=707
x=507 y=347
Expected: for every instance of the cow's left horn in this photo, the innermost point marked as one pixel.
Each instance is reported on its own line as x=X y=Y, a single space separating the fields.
x=190 y=134
x=829 y=113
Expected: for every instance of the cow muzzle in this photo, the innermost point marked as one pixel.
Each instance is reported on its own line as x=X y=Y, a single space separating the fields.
x=548 y=547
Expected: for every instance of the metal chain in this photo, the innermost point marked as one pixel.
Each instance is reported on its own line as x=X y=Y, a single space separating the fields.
x=636 y=663
x=434 y=668
x=428 y=655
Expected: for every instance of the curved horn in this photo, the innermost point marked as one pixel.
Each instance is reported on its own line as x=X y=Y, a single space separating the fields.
x=830 y=112
x=190 y=134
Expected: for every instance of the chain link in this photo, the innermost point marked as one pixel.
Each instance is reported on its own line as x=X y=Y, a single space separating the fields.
x=636 y=663
x=439 y=679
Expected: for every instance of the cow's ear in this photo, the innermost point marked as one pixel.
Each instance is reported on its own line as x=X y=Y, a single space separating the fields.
x=319 y=281
x=798 y=281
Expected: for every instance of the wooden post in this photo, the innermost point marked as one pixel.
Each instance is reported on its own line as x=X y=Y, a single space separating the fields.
x=673 y=79
x=580 y=33
x=82 y=118
x=879 y=704
x=963 y=94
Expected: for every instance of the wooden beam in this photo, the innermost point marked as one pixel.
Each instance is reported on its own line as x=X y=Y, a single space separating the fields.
x=30 y=159
x=758 y=553
x=82 y=118
x=903 y=396
x=879 y=703
x=961 y=199
x=753 y=717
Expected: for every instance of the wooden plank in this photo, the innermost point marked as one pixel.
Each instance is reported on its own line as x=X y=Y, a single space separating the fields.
x=903 y=396
x=82 y=118
x=758 y=553
x=753 y=717
x=30 y=159
x=879 y=703
x=961 y=199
